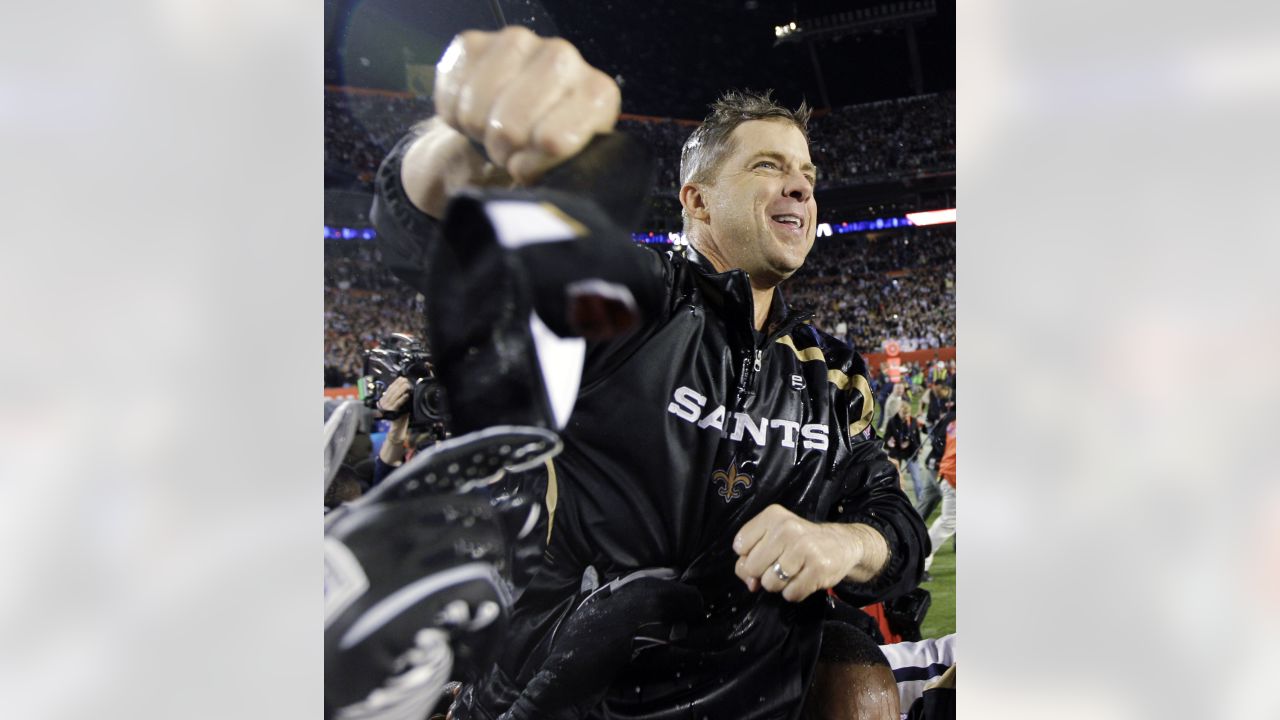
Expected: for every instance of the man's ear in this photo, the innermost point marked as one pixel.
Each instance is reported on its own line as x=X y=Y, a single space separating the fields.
x=694 y=202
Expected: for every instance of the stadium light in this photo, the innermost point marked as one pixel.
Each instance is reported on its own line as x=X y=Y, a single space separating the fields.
x=857 y=22
x=932 y=217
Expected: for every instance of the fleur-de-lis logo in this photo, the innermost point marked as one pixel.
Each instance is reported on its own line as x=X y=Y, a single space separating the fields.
x=734 y=483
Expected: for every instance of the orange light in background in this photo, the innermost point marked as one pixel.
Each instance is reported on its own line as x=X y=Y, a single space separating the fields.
x=932 y=217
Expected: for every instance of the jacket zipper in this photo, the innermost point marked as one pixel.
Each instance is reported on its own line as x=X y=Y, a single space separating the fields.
x=746 y=378
x=751 y=365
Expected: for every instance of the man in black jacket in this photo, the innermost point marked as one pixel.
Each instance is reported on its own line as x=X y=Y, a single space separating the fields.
x=722 y=447
x=902 y=440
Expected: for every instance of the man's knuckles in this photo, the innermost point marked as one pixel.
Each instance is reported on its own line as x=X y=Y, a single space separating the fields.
x=474 y=70
x=471 y=41
x=504 y=136
x=561 y=53
x=603 y=91
x=555 y=140
x=789 y=530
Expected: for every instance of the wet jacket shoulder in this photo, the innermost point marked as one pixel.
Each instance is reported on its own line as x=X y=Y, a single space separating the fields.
x=869 y=490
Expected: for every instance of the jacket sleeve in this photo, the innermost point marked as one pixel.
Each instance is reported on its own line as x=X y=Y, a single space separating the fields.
x=405 y=233
x=869 y=493
x=595 y=257
x=938 y=438
x=912 y=431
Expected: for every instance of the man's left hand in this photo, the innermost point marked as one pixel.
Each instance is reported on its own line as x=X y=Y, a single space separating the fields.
x=811 y=556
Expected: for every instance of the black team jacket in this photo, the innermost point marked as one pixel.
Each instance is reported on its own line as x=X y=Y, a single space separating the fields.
x=682 y=432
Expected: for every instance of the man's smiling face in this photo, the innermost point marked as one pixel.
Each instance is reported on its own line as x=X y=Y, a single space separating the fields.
x=762 y=214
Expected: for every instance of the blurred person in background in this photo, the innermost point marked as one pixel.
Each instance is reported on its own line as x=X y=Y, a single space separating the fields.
x=917 y=375
x=896 y=398
x=938 y=373
x=902 y=441
x=934 y=447
x=944 y=527
x=757 y=524
x=936 y=402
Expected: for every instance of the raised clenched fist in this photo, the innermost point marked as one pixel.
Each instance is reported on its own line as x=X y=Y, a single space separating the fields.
x=531 y=102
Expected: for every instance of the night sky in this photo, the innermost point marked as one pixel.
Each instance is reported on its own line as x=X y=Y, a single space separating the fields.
x=672 y=58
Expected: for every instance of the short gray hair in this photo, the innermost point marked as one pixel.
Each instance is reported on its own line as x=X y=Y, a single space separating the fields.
x=710 y=144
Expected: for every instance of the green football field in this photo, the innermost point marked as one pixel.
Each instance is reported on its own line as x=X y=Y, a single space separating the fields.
x=941 y=619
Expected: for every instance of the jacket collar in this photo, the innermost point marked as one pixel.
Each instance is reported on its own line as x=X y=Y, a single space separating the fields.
x=732 y=288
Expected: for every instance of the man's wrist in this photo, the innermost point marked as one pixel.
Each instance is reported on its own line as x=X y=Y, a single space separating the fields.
x=439 y=162
x=873 y=553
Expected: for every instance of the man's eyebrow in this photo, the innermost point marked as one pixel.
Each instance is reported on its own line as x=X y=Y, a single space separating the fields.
x=807 y=167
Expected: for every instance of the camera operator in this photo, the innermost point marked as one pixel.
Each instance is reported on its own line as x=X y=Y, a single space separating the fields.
x=400 y=384
x=395 y=447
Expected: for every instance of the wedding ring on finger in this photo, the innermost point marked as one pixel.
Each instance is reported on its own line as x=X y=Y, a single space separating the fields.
x=777 y=570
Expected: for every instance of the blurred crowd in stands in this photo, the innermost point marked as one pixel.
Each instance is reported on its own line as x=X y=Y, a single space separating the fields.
x=885 y=139
x=863 y=288
x=851 y=145
x=870 y=288
x=359 y=129
x=363 y=303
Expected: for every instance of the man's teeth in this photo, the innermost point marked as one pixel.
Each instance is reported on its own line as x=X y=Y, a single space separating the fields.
x=788 y=219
